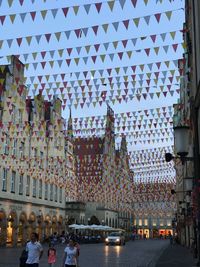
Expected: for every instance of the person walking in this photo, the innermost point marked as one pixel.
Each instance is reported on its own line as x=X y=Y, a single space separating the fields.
x=51 y=255
x=70 y=255
x=35 y=251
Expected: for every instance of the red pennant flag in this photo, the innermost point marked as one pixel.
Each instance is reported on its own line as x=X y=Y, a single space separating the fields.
x=94 y=58
x=40 y=78
x=43 y=53
x=158 y=64
x=65 y=10
x=43 y=63
x=19 y=41
x=98 y=6
x=21 y=2
x=133 y=68
x=126 y=23
x=158 y=15
x=68 y=61
x=2 y=18
x=134 y=2
x=77 y=32
x=95 y=29
x=153 y=38
x=109 y=71
x=97 y=47
x=124 y=42
x=48 y=36
x=175 y=47
x=147 y=50
x=62 y=76
x=33 y=15
x=69 y=50
x=120 y=55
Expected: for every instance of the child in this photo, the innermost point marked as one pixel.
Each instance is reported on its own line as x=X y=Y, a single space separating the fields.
x=51 y=255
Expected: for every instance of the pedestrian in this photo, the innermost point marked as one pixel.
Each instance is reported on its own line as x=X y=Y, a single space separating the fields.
x=76 y=244
x=70 y=255
x=35 y=251
x=51 y=255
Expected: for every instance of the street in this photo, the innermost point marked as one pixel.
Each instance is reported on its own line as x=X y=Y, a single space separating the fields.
x=140 y=253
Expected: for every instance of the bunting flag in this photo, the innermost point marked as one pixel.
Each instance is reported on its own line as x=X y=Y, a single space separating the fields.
x=97 y=59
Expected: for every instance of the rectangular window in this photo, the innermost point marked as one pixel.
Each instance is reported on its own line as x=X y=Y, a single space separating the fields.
x=154 y=223
x=1 y=114
x=56 y=193
x=46 y=192
x=4 y=181
x=34 y=187
x=145 y=222
x=140 y=222
x=169 y=223
x=161 y=222
x=60 y=195
x=6 y=144
x=13 y=181
x=28 y=186
x=40 y=188
x=14 y=152
x=21 y=183
x=22 y=150
x=20 y=116
x=51 y=192
x=41 y=159
x=13 y=116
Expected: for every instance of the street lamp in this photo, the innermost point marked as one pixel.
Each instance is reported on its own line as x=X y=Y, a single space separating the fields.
x=181 y=144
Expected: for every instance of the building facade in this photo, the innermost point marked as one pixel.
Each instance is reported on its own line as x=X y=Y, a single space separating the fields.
x=35 y=158
x=104 y=177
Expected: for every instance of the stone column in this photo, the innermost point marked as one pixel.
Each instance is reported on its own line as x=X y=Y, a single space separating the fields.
x=14 y=235
x=3 y=235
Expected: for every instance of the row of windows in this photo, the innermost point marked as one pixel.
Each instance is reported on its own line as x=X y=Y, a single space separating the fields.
x=145 y=222
x=30 y=187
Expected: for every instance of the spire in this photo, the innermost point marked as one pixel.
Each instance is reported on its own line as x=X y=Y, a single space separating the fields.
x=70 y=126
x=123 y=148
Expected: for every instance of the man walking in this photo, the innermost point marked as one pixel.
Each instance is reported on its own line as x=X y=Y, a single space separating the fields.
x=35 y=251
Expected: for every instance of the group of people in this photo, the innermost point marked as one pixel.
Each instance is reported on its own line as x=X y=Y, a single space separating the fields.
x=33 y=252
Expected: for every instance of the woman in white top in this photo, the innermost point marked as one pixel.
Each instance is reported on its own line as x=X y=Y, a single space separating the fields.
x=70 y=256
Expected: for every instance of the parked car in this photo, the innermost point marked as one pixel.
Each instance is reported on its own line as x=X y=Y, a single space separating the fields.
x=115 y=238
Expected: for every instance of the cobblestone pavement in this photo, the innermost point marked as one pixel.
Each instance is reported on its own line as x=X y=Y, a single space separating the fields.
x=140 y=253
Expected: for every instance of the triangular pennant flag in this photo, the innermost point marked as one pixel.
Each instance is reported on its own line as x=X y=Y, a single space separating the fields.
x=38 y=37
x=136 y=21
x=2 y=18
x=19 y=41
x=102 y=57
x=157 y=16
x=173 y=34
x=175 y=47
x=168 y=14
x=43 y=14
x=67 y=34
x=106 y=45
x=85 y=31
x=156 y=49
x=122 y=3
x=10 y=2
x=76 y=9
x=33 y=14
x=48 y=36
x=129 y=53
x=147 y=19
x=78 y=49
x=105 y=27
x=12 y=18
x=134 y=2
x=87 y=8
x=111 y=4
x=98 y=6
x=95 y=29
x=22 y=16
x=126 y=23
x=65 y=11
x=9 y=42
x=57 y=34
x=54 y=12
x=115 y=25
x=163 y=35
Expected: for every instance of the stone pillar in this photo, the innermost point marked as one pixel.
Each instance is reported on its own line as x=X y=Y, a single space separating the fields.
x=3 y=235
x=14 y=235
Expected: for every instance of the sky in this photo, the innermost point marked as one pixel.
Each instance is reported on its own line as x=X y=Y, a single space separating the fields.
x=105 y=65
